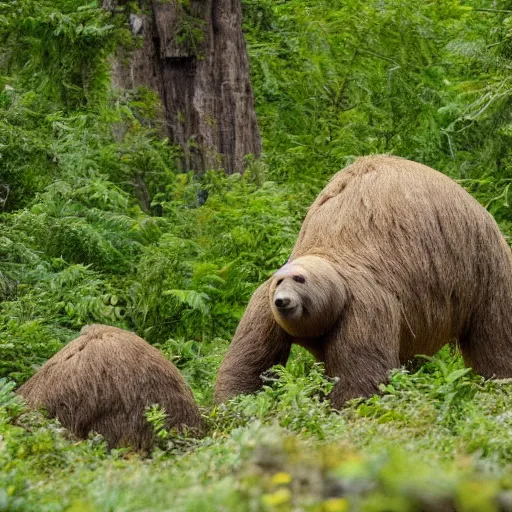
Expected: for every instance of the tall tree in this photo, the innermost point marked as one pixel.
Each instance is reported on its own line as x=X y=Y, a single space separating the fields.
x=193 y=55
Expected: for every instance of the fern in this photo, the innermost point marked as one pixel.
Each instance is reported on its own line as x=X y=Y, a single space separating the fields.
x=193 y=299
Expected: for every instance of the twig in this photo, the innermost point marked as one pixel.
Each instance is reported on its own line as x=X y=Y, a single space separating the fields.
x=378 y=55
x=504 y=11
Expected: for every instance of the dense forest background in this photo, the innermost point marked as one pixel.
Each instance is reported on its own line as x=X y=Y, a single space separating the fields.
x=100 y=225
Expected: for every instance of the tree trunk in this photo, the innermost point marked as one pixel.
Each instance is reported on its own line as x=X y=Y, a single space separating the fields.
x=193 y=55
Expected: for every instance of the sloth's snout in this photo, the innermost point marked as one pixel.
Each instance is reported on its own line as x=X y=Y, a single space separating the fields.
x=282 y=302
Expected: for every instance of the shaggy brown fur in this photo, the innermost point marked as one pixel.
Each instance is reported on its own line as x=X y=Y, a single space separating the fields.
x=103 y=381
x=393 y=259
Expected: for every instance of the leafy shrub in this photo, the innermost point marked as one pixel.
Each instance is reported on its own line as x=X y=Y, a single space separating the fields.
x=196 y=281
x=293 y=397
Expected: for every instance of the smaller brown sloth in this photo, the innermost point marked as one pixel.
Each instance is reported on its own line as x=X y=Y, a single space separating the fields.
x=393 y=259
x=104 y=380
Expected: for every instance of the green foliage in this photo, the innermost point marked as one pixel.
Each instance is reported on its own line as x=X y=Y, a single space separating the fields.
x=451 y=387
x=58 y=48
x=423 y=80
x=99 y=226
x=280 y=449
x=195 y=282
x=26 y=164
x=295 y=400
x=190 y=30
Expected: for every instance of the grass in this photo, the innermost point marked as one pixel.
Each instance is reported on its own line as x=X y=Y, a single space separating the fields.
x=437 y=439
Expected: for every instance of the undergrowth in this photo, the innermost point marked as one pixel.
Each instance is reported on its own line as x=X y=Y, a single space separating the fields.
x=431 y=438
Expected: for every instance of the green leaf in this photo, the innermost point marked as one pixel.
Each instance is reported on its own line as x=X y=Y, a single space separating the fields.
x=193 y=299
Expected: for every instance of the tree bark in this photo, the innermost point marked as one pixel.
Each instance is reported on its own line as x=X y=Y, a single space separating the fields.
x=193 y=55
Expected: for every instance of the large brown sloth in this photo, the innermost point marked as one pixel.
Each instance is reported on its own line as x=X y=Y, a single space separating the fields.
x=393 y=259
x=104 y=380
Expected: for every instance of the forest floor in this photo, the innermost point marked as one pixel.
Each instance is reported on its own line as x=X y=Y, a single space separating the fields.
x=435 y=440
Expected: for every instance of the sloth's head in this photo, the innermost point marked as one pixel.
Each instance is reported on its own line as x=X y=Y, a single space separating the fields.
x=307 y=296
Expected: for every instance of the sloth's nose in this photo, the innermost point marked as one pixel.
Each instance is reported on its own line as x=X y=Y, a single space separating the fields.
x=282 y=302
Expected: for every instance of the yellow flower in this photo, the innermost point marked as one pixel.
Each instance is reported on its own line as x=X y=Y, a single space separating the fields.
x=335 y=505
x=80 y=506
x=280 y=497
x=281 y=478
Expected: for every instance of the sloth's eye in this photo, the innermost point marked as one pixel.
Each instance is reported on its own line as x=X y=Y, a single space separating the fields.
x=299 y=279
x=279 y=282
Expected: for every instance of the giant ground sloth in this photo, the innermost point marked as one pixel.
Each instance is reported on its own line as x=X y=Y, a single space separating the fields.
x=104 y=380
x=393 y=259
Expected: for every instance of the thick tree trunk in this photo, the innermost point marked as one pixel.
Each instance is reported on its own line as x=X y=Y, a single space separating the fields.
x=193 y=55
